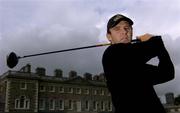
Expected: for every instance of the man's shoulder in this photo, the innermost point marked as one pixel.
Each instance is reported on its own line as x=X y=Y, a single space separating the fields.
x=118 y=46
x=116 y=51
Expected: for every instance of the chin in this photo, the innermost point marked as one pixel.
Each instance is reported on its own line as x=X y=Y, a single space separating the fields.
x=125 y=41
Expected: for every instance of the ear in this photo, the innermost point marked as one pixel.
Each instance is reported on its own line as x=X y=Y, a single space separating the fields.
x=109 y=37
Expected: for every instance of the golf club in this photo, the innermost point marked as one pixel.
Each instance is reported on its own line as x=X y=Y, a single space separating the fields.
x=13 y=59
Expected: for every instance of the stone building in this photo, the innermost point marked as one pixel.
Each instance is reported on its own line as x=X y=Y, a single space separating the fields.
x=26 y=92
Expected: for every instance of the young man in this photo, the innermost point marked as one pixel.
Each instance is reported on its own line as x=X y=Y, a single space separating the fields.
x=130 y=79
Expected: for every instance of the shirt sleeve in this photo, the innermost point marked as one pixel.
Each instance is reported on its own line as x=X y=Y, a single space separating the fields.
x=165 y=69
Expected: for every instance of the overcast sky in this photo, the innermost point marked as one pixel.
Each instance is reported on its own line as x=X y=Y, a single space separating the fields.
x=33 y=26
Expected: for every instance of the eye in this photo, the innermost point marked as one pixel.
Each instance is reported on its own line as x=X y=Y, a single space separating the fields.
x=127 y=28
x=116 y=28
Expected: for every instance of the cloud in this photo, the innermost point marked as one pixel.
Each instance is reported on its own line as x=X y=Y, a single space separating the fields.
x=36 y=40
x=64 y=28
x=173 y=47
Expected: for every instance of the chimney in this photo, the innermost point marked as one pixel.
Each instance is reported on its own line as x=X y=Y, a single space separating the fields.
x=96 y=77
x=169 y=98
x=88 y=76
x=26 y=68
x=72 y=74
x=58 y=73
x=41 y=71
x=101 y=77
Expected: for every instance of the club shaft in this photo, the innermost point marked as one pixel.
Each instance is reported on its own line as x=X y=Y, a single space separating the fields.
x=65 y=50
x=72 y=49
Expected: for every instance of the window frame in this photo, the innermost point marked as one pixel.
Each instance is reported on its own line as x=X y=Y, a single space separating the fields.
x=86 y=91
x=78 y=91
x=52 y=104
x=61 y=104
x=87 y=105
x=51 y=88
x=61 y=91
x=70 y=105
x=22 y=103
x=24 y=86
x=43 y=104
x=43 y=89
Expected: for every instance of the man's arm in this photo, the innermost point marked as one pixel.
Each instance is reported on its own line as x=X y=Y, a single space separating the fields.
x=129 y=59
x=165 y=69
x=159 y=74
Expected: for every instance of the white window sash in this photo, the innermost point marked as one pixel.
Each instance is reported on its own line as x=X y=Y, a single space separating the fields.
x=87 y=91
x=42 y=104
x=70 y=90
x=43 y=89
x=70 y=105
x=95 y=105
x=17 y=103
x=23 y=85
x=26 y=103
x=52 y=89
x=87 y=105
x=78 y=91
x=61 y=104
x=52 y=104
x=62 y=89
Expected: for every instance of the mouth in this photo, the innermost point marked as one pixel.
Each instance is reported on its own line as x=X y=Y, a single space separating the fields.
x=125 y=40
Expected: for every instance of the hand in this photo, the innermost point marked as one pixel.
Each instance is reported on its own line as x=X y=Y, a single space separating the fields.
x=145 y=37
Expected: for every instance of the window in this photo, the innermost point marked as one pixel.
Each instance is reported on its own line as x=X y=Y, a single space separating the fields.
x=86 y=91
x=51 y=104
x=1 y=89
x=70 y=105
x=95 y=105
x=87 y=105
x=41 y=104
x=108 y=93
x=61 y=89
x=61 y=104
x=42 y=88
x=102 y=92
x=109 y=106
x=27 y=103
x=95 y=92
x=17 y=103
x=70 y=90
x=102 y=106
x=22 y=103
x=23 y=85
x=78 y=90
x=51 y=88
x=78 y=106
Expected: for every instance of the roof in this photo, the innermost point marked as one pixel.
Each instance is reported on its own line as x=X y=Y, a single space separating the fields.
x=78 y=80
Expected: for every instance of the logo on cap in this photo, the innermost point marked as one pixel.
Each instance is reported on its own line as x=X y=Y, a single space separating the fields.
x=117 y=17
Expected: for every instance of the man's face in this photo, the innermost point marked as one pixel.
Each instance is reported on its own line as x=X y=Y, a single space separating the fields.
x=121 y=33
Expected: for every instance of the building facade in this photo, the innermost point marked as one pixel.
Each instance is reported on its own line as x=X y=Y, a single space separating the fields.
x=26 y=92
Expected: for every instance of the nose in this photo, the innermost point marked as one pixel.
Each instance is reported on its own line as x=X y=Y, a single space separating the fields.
x=124 y=31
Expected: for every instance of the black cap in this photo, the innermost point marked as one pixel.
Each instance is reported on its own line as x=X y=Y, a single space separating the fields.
x=113 y=21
